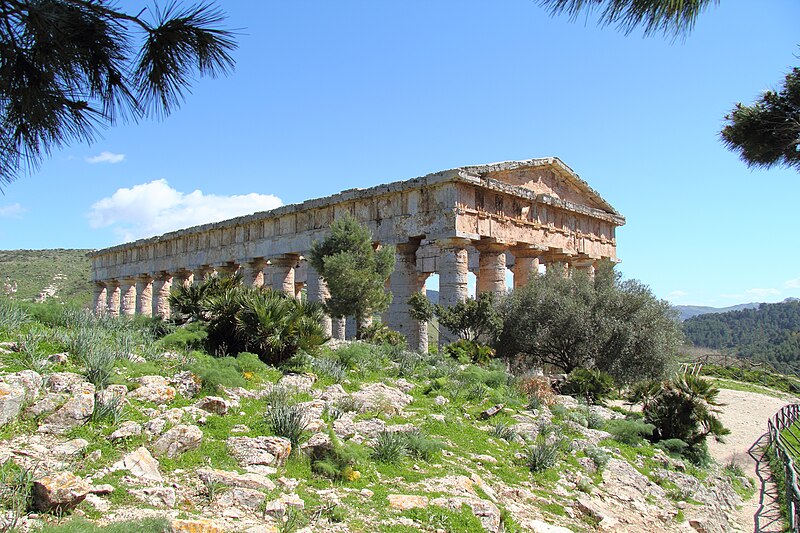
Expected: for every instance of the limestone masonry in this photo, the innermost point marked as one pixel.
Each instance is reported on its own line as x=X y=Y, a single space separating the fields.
x=484 y=219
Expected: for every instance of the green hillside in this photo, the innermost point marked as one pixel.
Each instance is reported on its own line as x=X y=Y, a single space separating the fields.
x=64 y=273
x=770 y=333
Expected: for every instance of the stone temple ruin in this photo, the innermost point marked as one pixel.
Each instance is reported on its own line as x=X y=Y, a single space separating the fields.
x=484 y=219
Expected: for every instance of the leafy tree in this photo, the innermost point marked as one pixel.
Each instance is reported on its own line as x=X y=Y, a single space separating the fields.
x=767 y=133
x=354 y=270
x=579 y=322
x=474 y=319
x=69 y=66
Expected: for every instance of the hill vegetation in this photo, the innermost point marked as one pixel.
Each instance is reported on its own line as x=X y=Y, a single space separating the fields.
x=770 y=333
x=61 y=274
x=688 y=311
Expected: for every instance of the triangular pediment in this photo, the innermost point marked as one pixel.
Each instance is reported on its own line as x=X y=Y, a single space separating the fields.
x=545 y=176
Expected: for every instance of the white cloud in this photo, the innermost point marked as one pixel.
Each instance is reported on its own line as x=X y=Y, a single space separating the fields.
x=153 y=208
x=11 y=211
x=762 y=293
x=106 y=157
x=674 y=295
x=792 y=283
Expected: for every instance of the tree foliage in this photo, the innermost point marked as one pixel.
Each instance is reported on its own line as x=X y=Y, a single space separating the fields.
x=68 y=67
x=615 y=326
x=767 y=133
x=354 y=270
x=671 y=17
x=473 y=319
x=770 y=333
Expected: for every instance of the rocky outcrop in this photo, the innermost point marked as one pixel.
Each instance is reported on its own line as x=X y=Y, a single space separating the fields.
x=177 y=440
x=268 y=451
x=58 y=493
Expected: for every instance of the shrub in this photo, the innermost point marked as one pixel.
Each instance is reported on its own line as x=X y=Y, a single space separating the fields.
x=190 y=337
x=338 y=462
x=467 y=351
x=16 y=483
x=543 y=454
x=473 y=319
x=590 y=384
x=217 y=371
x=330 y=368
x=674 y=447
x=12 y=316
x=598 y=455
x=501 y=430
x=390 y=447
x=380 y=334
x=250 y=362
x=29 y=352
x=594 y=420
x=420 y=445
x=630 y=432
x=287 y=421
x=99 y=365
x=538 y=391
x=353 y=354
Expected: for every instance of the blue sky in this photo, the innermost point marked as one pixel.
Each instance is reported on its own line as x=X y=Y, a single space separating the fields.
x=328 y=96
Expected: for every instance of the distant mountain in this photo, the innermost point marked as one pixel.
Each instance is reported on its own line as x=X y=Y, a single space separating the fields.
x=433 y=296
x=770 y=333
x=689 y=311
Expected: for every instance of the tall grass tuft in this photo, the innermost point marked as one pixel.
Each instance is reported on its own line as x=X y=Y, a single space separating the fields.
x=287 y=421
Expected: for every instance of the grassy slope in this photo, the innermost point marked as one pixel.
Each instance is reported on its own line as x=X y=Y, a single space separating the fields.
x=33 y=270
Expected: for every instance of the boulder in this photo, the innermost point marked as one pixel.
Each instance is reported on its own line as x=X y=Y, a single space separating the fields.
x=186 y=383
x=140 y=464
x=59 y=493
x=31 y=381
x=154 y=392
x=155 y=427
x=370 y=428
x=242 y=498
x=112 y=396
x=11 y=398
x=381 y=398
x=177 y=440
x=317 y=446
x=485 y=511
x=126 y=430
x=45 y=406
x=213 y=404
x=194 y=526
x=298 y=382
x=75 y=411
x=62 y=381
x=156 y=496
x=269 y=451
x=403 y=502
x=234 y=479
x=71 y=447
x=59 y=358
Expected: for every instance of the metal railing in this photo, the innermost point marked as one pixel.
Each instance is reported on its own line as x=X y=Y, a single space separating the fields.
x=786 y=450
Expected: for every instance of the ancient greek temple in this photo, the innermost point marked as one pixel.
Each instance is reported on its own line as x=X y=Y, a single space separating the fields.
x=519 y=215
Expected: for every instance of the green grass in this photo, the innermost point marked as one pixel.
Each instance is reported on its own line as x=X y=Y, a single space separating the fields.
x=730 y=384
x=79 y=525
x=33 y=270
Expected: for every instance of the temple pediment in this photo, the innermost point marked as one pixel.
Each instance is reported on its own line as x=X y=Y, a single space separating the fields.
x=544 y=176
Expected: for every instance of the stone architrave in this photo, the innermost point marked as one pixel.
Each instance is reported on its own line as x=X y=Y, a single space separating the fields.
x=317 y=291
x=282 y=270
x=492 y=269
x=113 y=294
x=162 y=285
x=127 y=297
x=144 y=295
x=99 y=298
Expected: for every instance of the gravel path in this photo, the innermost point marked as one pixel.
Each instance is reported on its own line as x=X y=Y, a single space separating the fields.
x=746 y=415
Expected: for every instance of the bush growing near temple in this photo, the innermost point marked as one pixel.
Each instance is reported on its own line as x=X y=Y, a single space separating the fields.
x=616 y=326
x=592 y=385
x=354 y=271
x=381 y=334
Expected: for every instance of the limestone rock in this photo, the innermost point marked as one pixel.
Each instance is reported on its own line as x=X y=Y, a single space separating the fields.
x=155 y=426
x=379 y=397
x=234 y=479
x=441 y=400
x=269 y=451
x=59 y=493
x=312 y=414
x=75 y=411
x=186 y=383
x=317 y=446
x=11 y=397
x=370 y=428
x=154 y=389
x=194 y=526
x=299 y=382
x=112 y=396
x=344 y=427
x=213 y=404
x=140 y=464
x=487 y=512
x=62 y=381
x=278 y=508
x=45 y=406
x=71 y=447
x=126 y=430
x=156 y=496
x=242 y=498
x=59 y=358
x=177 y=440
x=537 y=526
x=31 y=381
x=404 y=385
x=403 y=502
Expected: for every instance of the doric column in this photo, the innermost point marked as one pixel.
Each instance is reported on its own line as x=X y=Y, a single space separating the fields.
x=317 y=291
x=584 y=265
x=199 y=273
x=526 y=265
x=298 y=289
x=282 y=269
x=162 y=284
x=338 y=328
x=253 y=272
x=557 y=261
x=350 y=328
x=228 y=268
x=453 y=268
x=127 y=297
x=144 y=295
x=112 y=293
x=183 y=277
x=99 y=296
x=404 y=282
x=491 y=269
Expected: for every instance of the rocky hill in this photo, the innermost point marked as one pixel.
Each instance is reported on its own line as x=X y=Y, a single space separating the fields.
x=689 y=311
x=355 y=438
x=60 y=275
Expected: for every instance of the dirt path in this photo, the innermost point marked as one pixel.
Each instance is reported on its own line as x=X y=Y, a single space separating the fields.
x=746 y=415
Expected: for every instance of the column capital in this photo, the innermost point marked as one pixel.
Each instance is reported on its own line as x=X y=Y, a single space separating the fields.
x=528 y=250
x=144 y=278
x=285 y=260
x=454 y=242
